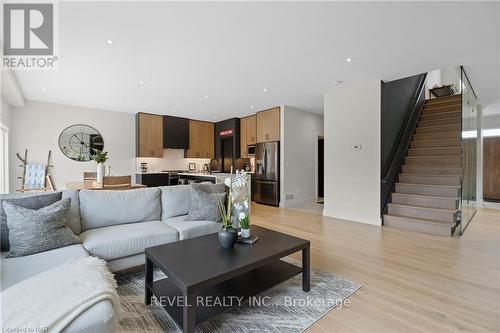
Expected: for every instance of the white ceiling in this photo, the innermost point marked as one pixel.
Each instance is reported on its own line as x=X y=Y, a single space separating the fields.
x=231 y=51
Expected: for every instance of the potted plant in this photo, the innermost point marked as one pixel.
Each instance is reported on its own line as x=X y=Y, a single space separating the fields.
x=244 y=224
x=100 y=157
x=227 y=235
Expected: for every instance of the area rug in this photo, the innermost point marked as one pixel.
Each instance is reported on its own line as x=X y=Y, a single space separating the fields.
x=285 y=307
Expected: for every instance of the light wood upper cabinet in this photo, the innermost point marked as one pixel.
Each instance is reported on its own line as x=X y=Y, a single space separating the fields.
x=243 y=137
x=201 y=140
x=268 y=125
x=150 y=135
x=248 y=134
x=251 y=130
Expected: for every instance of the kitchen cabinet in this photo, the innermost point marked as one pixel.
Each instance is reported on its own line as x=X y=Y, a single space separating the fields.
x=175 y=132
x=149 y=135
x=243 y=138
x=201 y=140
x=268 y=125
x=248 y=134
x=152 y=179
x=251 y=130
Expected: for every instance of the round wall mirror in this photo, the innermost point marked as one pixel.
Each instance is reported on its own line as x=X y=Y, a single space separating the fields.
x=80 y=142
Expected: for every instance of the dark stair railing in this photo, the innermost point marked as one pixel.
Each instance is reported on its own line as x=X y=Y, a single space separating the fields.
x=394 y=161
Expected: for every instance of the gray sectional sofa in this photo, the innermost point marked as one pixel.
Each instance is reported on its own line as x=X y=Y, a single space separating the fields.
x=116 y=226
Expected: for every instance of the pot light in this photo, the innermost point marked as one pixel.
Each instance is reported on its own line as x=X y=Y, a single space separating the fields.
x=265 y=89
x=206 y=96
x=109 y=41
x=336 y=83
x=251 y=107
x=120 y=102
x=348 y=60
x=141 y=83
x=44 y=90
x=173 y=111
x=215 y=117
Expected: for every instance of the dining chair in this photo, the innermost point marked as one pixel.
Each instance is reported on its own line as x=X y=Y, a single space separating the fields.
x=116 y=182
x=90 y=176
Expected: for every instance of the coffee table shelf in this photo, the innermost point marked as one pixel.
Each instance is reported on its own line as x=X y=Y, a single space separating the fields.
x=199 y=267
x=246 y=285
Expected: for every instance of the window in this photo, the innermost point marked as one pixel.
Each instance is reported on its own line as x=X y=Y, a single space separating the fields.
x=4 y=158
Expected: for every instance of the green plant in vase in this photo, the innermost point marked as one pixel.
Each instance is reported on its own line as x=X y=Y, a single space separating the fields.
x=244 y=224
x=228 y=234
x=100 y=157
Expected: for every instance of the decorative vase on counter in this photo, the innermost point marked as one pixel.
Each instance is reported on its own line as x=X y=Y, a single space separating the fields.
x=100 y=172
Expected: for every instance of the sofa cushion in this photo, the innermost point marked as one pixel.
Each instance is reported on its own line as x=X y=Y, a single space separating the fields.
x=209 y=187
x=205 y=205
x=26 y=200
x=32 y=231
x=124 y=240
x=175 y=201
x=15 y=270
x=106 y=208
x=190 y=229
x=100 y=317
x=73 y=217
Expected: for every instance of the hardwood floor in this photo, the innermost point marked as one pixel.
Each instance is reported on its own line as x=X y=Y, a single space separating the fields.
x=412 y=282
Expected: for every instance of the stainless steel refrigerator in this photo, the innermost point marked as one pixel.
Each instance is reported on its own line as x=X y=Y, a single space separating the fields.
x=267 y=173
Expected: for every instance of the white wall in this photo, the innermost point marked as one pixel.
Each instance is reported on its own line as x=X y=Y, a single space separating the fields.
x=37 y=126
x=352 y=177
x=451 y=76
x=299 y=150
x=5 y=112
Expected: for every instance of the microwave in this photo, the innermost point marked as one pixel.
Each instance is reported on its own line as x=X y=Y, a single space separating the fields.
x=251 y=150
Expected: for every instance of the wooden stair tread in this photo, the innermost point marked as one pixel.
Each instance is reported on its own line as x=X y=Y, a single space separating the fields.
x=439 y=126
x=455 y=113
x=436 y=141
x=425 y=175
x=429 y=185
x=427 y=196
x=424 y=207
x=426 y=221
x=432 y=156
x=436 y=148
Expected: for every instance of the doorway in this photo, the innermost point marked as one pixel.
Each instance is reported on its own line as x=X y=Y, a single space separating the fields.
x=321 y=170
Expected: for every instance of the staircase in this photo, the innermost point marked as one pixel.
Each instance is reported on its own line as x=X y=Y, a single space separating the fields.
x=427 y=194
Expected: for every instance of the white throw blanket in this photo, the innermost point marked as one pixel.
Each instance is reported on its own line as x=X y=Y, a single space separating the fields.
x=57 y=296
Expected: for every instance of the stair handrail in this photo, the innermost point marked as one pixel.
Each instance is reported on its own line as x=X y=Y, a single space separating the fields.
x=402 y=143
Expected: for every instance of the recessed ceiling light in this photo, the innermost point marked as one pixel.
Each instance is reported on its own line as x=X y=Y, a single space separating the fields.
x=141 y=83
x=173 y=111
x=109 y=41
x=336 y=83
x=348 y=60
x=120 y=101
x=215 y=117
x=44 y=89
x=206 y=96
x=251 y=107
x=265 y=89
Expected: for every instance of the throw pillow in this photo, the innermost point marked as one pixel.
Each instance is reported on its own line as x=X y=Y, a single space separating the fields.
x=32 y=231
x=26 y=200
x=204 y=205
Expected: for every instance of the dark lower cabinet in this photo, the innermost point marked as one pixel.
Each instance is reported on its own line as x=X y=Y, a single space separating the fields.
x=152 y=180
x=175 y=132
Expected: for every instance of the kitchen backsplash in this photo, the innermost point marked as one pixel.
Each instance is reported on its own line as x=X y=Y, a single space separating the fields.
x=173 y=159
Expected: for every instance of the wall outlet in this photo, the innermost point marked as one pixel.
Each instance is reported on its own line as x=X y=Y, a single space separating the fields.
x=289 y=196
x=356 y=146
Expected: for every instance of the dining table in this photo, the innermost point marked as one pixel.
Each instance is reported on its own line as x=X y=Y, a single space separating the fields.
x=94 y=185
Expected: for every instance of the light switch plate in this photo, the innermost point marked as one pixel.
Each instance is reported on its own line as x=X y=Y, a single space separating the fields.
x=356 y=147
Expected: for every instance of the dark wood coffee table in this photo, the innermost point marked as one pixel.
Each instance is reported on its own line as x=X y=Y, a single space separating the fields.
x=198 y=268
